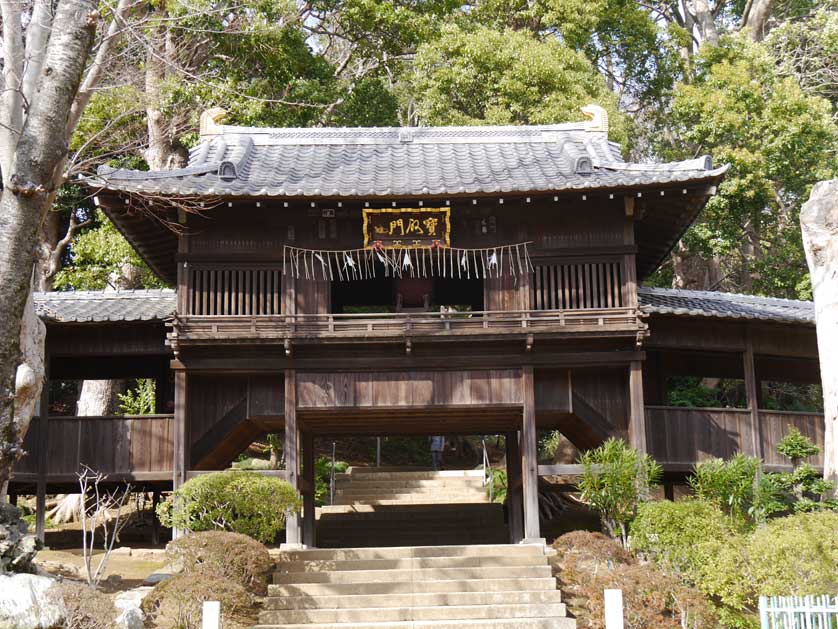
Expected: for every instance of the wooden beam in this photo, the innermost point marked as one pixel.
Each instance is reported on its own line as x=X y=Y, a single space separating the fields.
x=43 y=446
x=309 y=519
x=751 y=385
x=573 y=469
x=258 y=364
x=291 y=448
x=637 y=414
x=179 y=464
x=529 y=459
x=514 y=494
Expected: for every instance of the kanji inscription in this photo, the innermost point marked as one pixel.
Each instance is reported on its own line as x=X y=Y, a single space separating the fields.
x=407 y=228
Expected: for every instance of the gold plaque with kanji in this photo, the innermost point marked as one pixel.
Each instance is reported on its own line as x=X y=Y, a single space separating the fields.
x=407 y=228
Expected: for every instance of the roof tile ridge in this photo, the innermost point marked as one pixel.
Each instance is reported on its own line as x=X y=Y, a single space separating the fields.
x=688 y=292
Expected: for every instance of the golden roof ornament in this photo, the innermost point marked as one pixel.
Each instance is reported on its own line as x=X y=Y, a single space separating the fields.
x=597 y=118
x=211 y=120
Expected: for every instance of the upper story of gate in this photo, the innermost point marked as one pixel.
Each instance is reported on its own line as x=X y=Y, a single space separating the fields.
x=346 y=235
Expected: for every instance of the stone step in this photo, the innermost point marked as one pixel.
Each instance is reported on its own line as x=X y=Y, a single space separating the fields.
x=518 y=623
x=352 y=490
x=360 y=536
x=416 y=510
x=404 y=600
x=396 y=614
x=425 y=500
x=330 y=565
x=507 y=584
x=407 y=552
x=420 y=574
x=464 y=481
x=370 y=473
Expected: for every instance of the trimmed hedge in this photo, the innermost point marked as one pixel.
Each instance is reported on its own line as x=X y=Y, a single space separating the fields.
x=237 y=501
x=223 y=554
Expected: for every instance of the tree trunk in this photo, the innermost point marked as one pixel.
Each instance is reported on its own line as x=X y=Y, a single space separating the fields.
x=30 y=181
x=704 y=19
x=99 y=397
x=694 y=272
x=756 y=17
x=819 y=222
x=163 y=153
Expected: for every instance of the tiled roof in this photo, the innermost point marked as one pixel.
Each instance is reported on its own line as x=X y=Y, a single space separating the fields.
x=369 y=162
x=146 y=305
x=105 y=306
x=725 y=305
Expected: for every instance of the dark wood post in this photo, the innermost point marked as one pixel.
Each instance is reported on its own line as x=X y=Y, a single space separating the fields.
x=43 y=446
x=309 y=514
x=529 y=459
x=637 y=410
x=514 y=492
x=181 y=461
x=751 y=389
x=291 y=448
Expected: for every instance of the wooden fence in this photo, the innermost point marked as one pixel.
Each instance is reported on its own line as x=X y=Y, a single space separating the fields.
x=798 y=612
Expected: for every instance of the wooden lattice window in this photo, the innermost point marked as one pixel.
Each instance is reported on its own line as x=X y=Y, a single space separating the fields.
x=231 y=292
x=575 y=286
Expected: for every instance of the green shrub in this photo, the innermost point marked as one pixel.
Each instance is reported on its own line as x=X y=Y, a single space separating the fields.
x=223 y=554
x=500 y=484
x=176 y=603
x=739 y=487
x=796 y=555
x=548 y=444
x=616 y=479
x=680 y=535
x=238 y=501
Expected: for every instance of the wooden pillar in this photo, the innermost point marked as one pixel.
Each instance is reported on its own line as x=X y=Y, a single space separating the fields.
x=751 y=386
x=291 y=450
x=637 y=410
x=529 y=459
x=514 y=493
x=309 y=514
x=181 y=458
x=43 y=447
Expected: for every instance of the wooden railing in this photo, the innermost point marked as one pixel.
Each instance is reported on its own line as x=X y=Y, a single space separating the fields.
x=596 y=322
x=678 y=437
x=125 y=447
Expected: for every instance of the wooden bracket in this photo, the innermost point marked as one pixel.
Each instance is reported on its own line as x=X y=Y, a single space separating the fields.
x=287 y=345
x=530 y=340
x=629 y=205
x=408 y=346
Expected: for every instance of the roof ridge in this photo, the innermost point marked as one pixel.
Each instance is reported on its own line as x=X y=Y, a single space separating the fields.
x=687 y=292
x=122 y=293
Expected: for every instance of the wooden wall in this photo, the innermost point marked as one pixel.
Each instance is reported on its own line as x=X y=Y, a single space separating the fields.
x=408 y=389
x=112 y=445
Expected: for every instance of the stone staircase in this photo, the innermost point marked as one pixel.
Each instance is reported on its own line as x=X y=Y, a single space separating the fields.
x=387 y=507
x=427 y=587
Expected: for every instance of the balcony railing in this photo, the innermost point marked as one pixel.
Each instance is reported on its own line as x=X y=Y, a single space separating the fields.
x=361 y=327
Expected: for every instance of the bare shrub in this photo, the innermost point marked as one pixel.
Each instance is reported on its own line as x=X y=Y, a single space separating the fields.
x=84 y=607
x=223 y=554
x=177 y=602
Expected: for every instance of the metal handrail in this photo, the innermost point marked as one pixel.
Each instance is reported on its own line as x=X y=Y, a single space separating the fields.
x=332 y=478
x=488 y=477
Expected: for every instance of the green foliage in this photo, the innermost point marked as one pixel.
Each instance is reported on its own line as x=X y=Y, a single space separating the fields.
x=548 y=444
x=322 y=476
x=238 y=501
x=738 y=487
x=795 y=556
x=796 y=446
x=500 y=485
x=778 y=141
x=139 y=400
x=484 y=76
x=692 y=392
x=98 y=259
x=616 y=479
